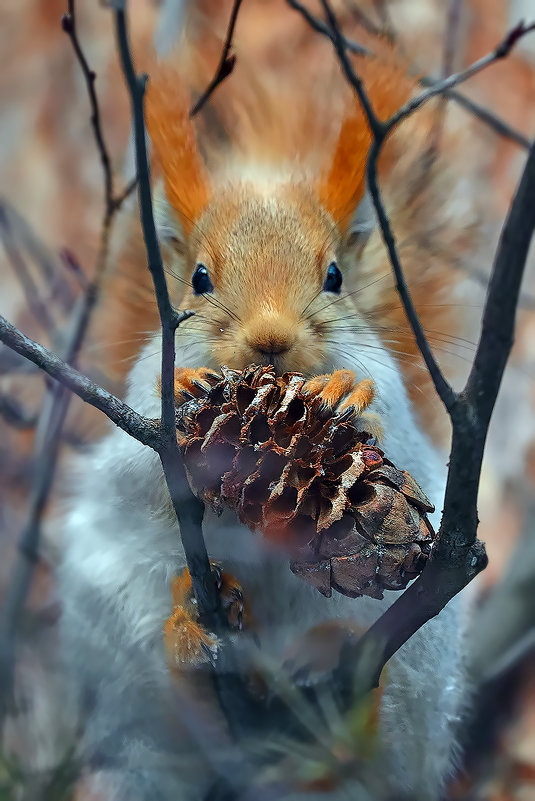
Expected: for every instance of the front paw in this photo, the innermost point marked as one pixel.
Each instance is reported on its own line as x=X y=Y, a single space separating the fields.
x=192 y=381
x=340 y=391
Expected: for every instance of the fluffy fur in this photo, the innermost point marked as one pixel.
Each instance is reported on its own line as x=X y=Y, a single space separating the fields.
x=266 y=229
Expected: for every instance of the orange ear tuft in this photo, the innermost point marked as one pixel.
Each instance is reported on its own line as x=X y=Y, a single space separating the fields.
x=388 y=87
x=175 y=148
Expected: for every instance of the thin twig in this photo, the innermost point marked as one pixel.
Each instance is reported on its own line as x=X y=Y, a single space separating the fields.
x=448 y=61
x=188 y=509
x=35 y=303
x=439 y=87
x=119 y=199
x=141 y=428
x=485 y=115
x=380 y=131
x=459 y=556
x=57 y=398
x=68 y=23
x=320 y=27
x=226 y=62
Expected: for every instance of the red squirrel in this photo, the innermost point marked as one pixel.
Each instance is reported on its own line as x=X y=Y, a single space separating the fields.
x=269 y=235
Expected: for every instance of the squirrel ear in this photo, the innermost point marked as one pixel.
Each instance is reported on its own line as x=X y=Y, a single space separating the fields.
x=175 y=147
x=342 y=186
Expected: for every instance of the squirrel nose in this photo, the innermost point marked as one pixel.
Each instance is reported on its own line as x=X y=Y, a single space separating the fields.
x=272 y=348
x=270 y=334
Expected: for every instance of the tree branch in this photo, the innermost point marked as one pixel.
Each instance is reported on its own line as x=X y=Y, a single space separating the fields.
x=380 y=130
x=486 y=116
x=320 y=27
x=489 y=118
x=458 y=556
x=141 y=428
x=226 y=62
x=439 y=87
x=188 y=509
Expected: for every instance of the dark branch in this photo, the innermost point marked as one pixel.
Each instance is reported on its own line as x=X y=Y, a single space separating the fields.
x=35 y=303
x=498 y=326
x=439 y=87
x=188 y=509
x=459 y=556
x=320 y=27
x=486 y=116
x=380 y=130
x=226 y=62
x=141 y=428
x=483 y=114
x=68 y=23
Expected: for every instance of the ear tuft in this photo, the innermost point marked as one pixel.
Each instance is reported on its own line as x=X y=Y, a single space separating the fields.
x=342 y=187
x=175 y=148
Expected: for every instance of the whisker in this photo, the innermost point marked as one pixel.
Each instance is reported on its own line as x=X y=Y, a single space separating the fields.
x=347 y=295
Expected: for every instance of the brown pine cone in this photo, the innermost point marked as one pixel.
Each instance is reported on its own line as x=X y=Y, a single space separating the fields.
x=307 y=478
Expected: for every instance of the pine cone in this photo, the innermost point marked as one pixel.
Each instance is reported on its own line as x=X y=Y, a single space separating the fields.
x=307 y=478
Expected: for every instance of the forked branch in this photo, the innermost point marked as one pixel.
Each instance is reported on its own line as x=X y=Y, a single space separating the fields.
x=459 y=556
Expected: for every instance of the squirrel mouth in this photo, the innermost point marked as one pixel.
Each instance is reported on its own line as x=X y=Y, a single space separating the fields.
x=273 y=358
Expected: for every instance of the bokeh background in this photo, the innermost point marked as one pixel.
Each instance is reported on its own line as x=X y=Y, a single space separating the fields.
x=52 y=199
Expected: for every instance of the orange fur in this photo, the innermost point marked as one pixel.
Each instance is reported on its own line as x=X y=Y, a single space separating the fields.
x=295 y=121
x=188 y=379
x=186 y=641
x=175 y=147
x=388 y=87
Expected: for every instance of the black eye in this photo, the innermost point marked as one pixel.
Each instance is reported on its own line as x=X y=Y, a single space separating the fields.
x=200 y=280
x=333 y=279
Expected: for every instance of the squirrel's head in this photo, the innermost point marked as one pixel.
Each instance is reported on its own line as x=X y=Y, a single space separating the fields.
x=260 y=247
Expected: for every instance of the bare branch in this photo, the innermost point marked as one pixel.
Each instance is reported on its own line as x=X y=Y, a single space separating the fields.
x=226 y=62
x=68 y=23
x=188 y=509
x=119 y=199
x=139 y=427
x=439 y=87
x=459 y=556
x=489 y=118
x=486 y=116
x=320 y=27
x=35 y=303
x=498 y=326
x=380 y=130
x=57 y=399
x=112 y=202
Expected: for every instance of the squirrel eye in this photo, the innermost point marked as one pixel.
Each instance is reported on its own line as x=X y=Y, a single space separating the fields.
x=200 y=280
x=333 y=279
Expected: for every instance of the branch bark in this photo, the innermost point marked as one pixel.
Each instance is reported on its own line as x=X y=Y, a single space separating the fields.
x=459 y=556
x=188 y=509
x=226 y=62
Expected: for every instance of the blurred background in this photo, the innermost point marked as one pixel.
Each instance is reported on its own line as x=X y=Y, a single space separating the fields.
x=51 y=208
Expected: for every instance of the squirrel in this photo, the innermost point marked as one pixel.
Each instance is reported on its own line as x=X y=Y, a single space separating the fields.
x=269 y=235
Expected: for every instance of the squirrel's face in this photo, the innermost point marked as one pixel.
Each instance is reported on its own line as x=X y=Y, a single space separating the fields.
x=264 y=280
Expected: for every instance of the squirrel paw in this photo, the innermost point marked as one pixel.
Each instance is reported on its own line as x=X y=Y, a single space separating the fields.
x=341 y=390
x=186 y=641
x=188 y=382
